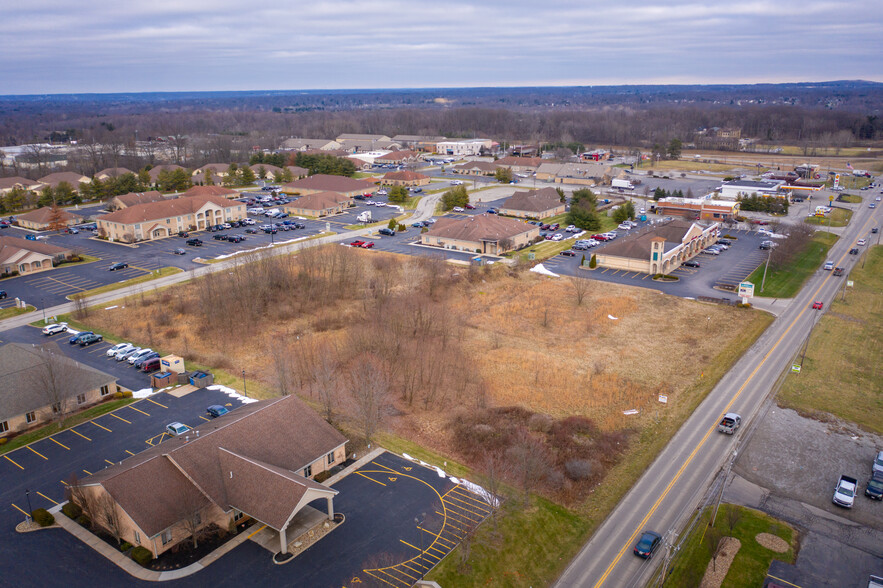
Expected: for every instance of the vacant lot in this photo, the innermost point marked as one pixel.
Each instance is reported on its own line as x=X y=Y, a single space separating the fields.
x=841 y=374
x=787 y=281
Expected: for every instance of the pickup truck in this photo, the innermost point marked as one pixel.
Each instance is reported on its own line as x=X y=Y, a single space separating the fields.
x=844 y=493
x=730 y=423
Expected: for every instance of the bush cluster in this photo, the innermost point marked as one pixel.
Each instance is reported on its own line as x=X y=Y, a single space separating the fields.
x=72 y=511
x=142 y=556
x=125 y=546
x=43 y=517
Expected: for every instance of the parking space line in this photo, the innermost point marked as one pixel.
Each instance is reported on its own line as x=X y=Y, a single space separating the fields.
x=87 y=471
x=46 y=497
x=110 y=462
x=156 y=403
x=100 y=427
x=121 y=418
x=409 y=545
x=37 y=452
x=80 y=434
x=19 y=510
x=63 y=482
x=384 y=467
x=129 y=452
x=256 y=532
x=360 y=473
x=139 y=410
x=10 y=460
x=59 y=443
x=204 y=418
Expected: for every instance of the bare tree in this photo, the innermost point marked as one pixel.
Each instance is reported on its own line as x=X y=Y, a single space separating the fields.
x=283 y=367
x=734 y=515
x=580 y=287
x=189 y=506
x=326 y=381
x=369 y=392
x=494 y=470
x=81 y=309
x=107 y=516
x=528 y=458
x=56 y=377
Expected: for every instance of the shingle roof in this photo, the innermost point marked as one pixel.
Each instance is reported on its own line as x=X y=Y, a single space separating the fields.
x=319 y=201
x=479 y=227
x=533 y=200
x=485 y=166
x=520 y=161
x=36 y=246
x=44 y=215
x=133 y=198
x=157 y=169
x=114 y=172
x=167 y=208
x=211 y=191
x=637 y=246
x=72 y=178
x=12 y=182
x=329 y=183
x=215 y=167
x=405 y=176
x=397 y=156
x=21 y=366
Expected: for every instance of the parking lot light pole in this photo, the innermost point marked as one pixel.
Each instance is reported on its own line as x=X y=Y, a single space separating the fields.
x=30 y=510
x=43 y=305
x=244 y=389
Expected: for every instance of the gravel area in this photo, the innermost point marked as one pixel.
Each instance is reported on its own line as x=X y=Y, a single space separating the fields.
x=719 y=566
x=772 y=542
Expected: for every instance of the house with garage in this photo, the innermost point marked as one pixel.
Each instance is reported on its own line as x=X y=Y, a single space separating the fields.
x=319 y=204
x=24 y=256
x=659 y=250
x=43 y=218
x=259 y=461
x=159 y=220
x=404 y=178
x=480 y=233
x=328 y=183
x=39 y=383
x=534 y=204
x=132 y=198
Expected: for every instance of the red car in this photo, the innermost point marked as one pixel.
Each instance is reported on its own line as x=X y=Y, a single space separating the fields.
x=367 y=245
x=817 y=305
x=470 y=207
x=599 y=237
x=357 y=243
x=554 y=227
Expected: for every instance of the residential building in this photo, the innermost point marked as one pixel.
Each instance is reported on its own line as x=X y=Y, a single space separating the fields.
x=405 y=178
x=257 y=461
x=398 y=158
x=697 y=208
x=520 y=164
x=133 y=198
x=74 y=180
x=219 y=191
x=271 y=172
x=480 y=233
x=8 y=184
x=27 y=257
x=309 y=144
x=158 y=220
x=39 y=383
x=112 y=172
x=219 y=170
x=42 y=218
x=465 y=147
x=742 y=188
x=661 y=249
x=475 y=168
x=319 y=204
x=297 y=172
x=535 y=204
x=327 y=183
x=158 y=169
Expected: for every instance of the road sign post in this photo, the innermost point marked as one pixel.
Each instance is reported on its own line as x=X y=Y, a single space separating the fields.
x=746 y=291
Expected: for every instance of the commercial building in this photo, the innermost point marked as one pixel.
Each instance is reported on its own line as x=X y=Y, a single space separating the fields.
x=257 y=461
x=520 y=164
x=319 y=204
x=398 y=158
x=744 y=188
x=534 y=204
x=480 y=233
x=587 y=174
x=327 y=183
x=39 y=383
x=24 y=256
x=475 y=168
x=466 y=147
x=158 y=220
x=310 y=144
x=43 y=218
x=661 y=249
x=405 y=178
x=697 y=208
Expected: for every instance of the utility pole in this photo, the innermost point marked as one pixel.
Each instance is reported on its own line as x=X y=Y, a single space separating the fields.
x=766 y=267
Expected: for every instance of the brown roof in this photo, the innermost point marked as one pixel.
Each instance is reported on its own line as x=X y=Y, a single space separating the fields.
x=35 y=246
x=231 y=460
x=72 y=178
x=485 y=166
x=637 y=246
x=114 y=172
x=319 y=201
x=329 y=183
x=12 y=182
x=267 y=167
x=533 y=200
x=133 y=198
x=397 y=156
x=156 y=210
x=215 y=167
x=157 y=169
x=479 y=227
x=521 y=161
x=297 y=171
x=211 y=191
x=43 y=215
x=405 y=176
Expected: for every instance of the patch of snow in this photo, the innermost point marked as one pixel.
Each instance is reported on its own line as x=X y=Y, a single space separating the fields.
x=613 y=318
x=408 y=457
x=630 y=411
x=454 y=480
x=143 y=393
x=232 y=393
x=441 y=473
x=111 y=307
x=476 y=489
x=541 y=269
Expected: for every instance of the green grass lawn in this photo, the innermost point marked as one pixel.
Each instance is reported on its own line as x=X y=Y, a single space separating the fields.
x=786 y=282
x=166 y=271
x=13 y=311
x=853 y=326
x=851 y=198
x=71 y=421
x=839 y=217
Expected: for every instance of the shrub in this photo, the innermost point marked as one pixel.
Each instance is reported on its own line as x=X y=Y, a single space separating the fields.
x=43 y=517
x=125 y=546
x=142 y=556
x=84 y=521
x=117 y=395
x=322 y=476
x=594 y=262
x=126 y=393
x=578 y=469
x=72 y=510
x=540 y=422
x=4 y=440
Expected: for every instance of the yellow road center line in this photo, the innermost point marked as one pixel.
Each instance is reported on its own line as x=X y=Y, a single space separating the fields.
x=80 y=434
x=19 y=510
x=10 y=460
x=47 y=498
x=62 y=444
x=121 y=418
x=100 y=427
x=37 y=452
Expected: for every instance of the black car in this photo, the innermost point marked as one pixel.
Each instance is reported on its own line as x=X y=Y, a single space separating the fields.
x=690 y=263
x=853 y=251
x=874 y=230
x=298 y=225
x=79 y=337
x=216 y=410
x=647 y=544
x=236 y=239
x=180 y=251
x=251 y=230
x=118 y=265
x=183 y=234
x=569 y=253
x=874 y=489
x=387 y=231
x=194 y=242
x=219 y=237
x=2 y=294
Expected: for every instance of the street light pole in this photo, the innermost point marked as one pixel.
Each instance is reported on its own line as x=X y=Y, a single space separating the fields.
x=244 y=389
x=43 y=305
x=766 y=267
x=28 y=494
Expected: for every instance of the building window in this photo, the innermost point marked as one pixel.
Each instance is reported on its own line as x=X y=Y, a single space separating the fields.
x=104 y=391
x=4 y=426
x=237 y=515
x=22 y=268
x=38 y=263
x=166 y=536
x=308 y=471
x=655 y=256
x=137 y=538
x=331 y=458
x=31 y=417
x=81 y=398
x=56 y=408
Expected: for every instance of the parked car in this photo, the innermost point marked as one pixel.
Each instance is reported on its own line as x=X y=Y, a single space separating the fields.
x=710 y=251
x=387 y=231
x=78 y=337
x=557 y=237
x=251 y=231
x=569 y=253
x=874 y=489
x=647 y=544
x=219 y=237
x=176 y=429
x=877 y=468
x=119 y=347
x=844 y=492
x=118 y=265
x=183 y=234
x=194 y=242
x=180 y=251
x=125 y=353
x=691 y=263
x=136 y=356
x=470 y=207
x=367 y=245
x=459 y=209
x=72 y=231
x=140 y=361
x=151 y=365
x=216 y=410
x=89 y=339
x=571 y=229
x=357 y=243
x=55 y=329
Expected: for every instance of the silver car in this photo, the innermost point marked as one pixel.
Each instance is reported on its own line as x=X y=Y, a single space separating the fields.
x=126 y=353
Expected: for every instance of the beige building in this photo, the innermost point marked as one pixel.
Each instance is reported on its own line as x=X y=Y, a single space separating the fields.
x=132 y=198
x=319 y=204
x=476 y=168
x=9 y=184
x=27 y=257
x=257 y=461
x=328 y=183
x=73 y=179
x=39 y=383
x=271 y=172
x=310 y=144
x=398 y=158
x=158 y=220
x=480 y=233
x=42 y=218
x=520 y=164
x=535 y=204
x=586 y=174
x=112 y=172
x=405 y=178
x=661 y=250
x=158 y=169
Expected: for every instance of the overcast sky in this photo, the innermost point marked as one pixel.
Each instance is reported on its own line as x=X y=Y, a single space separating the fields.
x=60 y=46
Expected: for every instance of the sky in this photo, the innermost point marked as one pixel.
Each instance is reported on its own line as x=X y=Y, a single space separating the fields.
x=64 y=46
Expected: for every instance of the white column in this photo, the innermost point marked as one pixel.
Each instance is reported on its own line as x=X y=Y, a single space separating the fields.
x=283 y=541
x=330 y=500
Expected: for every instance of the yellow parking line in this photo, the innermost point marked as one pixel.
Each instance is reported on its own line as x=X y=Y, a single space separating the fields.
x=87 y=471
x=100 y=427
x=37 y=452
x=204 y=418
x=57 y=443
x=256 y=532
x=10 y=459
x=46 y=497
x=156 y=403
x=80 y=434
x=129 y=452
x=110 y=462
x=121 y=418
x=65 y=483
x=141 y=411
x=409 y=545
x=364 y=476
x=19 y=510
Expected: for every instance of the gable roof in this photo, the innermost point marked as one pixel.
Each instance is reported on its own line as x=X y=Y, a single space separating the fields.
x=309 y=143
x=14 y=243
x=533 y=200
x=72 y=178
x=520 y=161
x=220 y=191
x=133 y=198
x=12 y=182
x=405 y=176
x=397 y=156
x=484 y=166
x=637 y=246
x=156 y=210
x=329 y=183
x=217 y=168
x=479 y=227
x=319 y=201
x=114 y=172
x=360 y=137
x=44 y=215
x=158 y=169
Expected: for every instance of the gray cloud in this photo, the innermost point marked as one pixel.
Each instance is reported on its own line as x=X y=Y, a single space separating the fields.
x=52 y=46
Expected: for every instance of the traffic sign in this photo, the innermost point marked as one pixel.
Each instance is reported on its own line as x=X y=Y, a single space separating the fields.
x=746 y=289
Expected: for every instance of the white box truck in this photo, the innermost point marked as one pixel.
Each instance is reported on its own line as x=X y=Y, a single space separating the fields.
x=622 y=184
x=365 y=217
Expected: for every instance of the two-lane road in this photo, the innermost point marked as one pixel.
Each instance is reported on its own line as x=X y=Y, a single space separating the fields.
x=672 y=486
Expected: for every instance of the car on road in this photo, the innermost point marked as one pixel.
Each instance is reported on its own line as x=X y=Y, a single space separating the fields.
x=871 y=205
x=853 y=251
x=117 y=266
x=875 y=230
x=89 y=339
x=730 y=423
x=647 y=544
x=569 y=253
x=861 y=242
x=470 y=207
x=78 y=337
x=216 y=410
x=838 y=271
x=817 y=305
x=176 y=429
x=180 y=251
x=829 y=265
x=691 y=263
x=119 y=347
x=55 y=329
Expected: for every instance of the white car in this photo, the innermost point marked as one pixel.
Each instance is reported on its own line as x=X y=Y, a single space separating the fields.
x=611 y=235
x=861 y=242
x=248 y=221
x=176 y=429
x=456 y=182
x=624 y=227
x=642 y=211
x=125 y=353
x=55 y=329
x=557 y=237
x=381 y=192
x=572 y=229
x=136 y=356
x=119 y=347
x=459 y=209
x=370 y=203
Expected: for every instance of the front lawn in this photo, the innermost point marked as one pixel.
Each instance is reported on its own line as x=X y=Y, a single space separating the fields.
x=13 y=311
x=787 y=281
